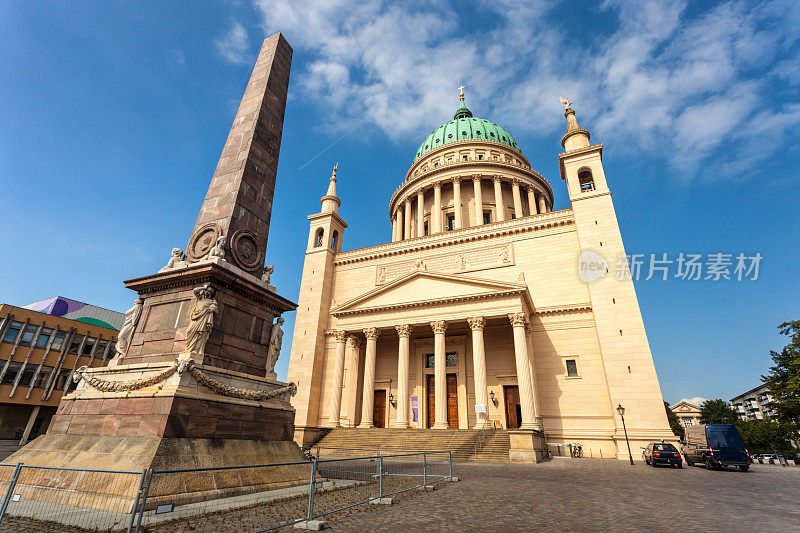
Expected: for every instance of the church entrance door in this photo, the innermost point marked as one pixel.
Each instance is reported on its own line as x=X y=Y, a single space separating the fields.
x=452 y=401
x=513 y=408
x=379 y=409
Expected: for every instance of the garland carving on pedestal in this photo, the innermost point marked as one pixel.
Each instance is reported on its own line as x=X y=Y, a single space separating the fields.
x=180 y=366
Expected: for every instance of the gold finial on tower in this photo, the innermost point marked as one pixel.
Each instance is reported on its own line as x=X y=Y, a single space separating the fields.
x=335 y=168
x=461 y=92
x=566 y=102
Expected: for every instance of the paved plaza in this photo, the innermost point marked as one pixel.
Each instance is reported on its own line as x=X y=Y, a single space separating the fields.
x=594 y=495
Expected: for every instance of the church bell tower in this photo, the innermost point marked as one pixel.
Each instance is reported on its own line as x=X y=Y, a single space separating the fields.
x=326 y=230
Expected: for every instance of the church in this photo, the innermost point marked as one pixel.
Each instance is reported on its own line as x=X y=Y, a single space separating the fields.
x=479 y=314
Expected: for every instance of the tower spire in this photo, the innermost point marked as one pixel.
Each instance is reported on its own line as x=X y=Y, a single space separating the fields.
x=576 y=137
x=462 y=111
x=330 y=202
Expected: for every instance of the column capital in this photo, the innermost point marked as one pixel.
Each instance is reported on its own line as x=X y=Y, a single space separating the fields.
x=420 y=191
x=340 y=335
x=403 y=330
x=371 y=333
x=531 y=188
x=353 y=342
x=515 y=181
x=517 y=319
x=456 y=179
x=439 y=326
x=497 y=179
x=437 y=184
x=476 y=323
x=477 y=177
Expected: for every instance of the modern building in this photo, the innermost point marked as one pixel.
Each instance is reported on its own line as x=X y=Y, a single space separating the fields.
x=74 y=310
x=688 y=412
x=486 y=308
x=754 y=404
x=39 y=352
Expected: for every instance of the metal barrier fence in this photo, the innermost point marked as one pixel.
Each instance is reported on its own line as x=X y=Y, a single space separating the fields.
x=234 y=498
x=37 y=498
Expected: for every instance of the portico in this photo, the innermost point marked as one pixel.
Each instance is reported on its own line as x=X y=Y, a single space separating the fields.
x=427 y=341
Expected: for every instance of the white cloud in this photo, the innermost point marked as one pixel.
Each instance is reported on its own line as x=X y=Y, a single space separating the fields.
x=678 y=86
x=232 y=46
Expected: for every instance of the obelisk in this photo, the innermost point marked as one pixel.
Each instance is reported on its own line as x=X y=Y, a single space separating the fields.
x=195 y=385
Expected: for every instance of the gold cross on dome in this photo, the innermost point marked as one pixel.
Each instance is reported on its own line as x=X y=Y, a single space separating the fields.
x=461 y=92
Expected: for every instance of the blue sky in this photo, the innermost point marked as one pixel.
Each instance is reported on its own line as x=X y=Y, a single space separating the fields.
x=113 y=115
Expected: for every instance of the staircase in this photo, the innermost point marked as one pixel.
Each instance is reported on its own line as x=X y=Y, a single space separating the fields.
x=491 y=445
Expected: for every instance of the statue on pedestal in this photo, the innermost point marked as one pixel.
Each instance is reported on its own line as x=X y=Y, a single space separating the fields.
x=175 y=260
x=201 y=321
x=275 y=341
x=128 y=326
x=218 y=250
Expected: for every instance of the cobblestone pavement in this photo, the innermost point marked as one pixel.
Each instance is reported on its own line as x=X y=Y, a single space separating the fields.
x=594 y=495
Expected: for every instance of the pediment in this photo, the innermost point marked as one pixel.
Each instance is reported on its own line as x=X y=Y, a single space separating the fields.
x=421 y=287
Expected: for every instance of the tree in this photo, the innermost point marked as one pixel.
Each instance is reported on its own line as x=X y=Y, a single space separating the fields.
x=765 y=436
x=783 y=379
x=717 y=412
x=674 y=423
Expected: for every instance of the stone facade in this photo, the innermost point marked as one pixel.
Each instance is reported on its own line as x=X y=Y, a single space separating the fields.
x=475 y=314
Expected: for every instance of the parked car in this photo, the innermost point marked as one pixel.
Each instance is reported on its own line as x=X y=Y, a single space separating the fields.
x=715 y=446
x=662 y=453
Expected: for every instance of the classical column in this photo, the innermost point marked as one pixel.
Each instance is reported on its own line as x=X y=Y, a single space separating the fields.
x=498 y=199
x=439 y=379
x=476 y=183
x=437 y=207
x=531 y=201
x=407 y=219
x=529 y=339
x=338 y=374
x=479 y=370
x=399 y=223
x=420 y=213
x=352 y=354
x=368 y=394
x=404 y=332
x=517 y=198
x=457 y=201
x=523 y=371
x=542 y=206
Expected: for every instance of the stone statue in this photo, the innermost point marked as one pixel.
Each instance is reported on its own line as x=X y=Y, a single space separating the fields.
x=201 y=321
x=268 y=270
x=275 y=341
x=420 y=264
x=566 y=102
x=218 y=250
x=175 y=261
x=128 y=326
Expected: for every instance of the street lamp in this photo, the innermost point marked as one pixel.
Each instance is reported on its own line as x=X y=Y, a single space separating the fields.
x=621 y=411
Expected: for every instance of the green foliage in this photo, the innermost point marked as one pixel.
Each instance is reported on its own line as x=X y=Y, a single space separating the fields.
x=717 y=412
x=674 y=423
x=784 y=377
x=765 y=436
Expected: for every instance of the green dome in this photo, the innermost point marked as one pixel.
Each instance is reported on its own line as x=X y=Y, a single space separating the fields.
x=465 y=127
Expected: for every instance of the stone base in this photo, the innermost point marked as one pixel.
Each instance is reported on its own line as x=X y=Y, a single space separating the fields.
x=144 y=453
x=527 y=446
x=307 y=436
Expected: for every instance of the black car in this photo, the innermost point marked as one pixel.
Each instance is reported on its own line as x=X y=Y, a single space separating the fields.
x=662 y=453
x=715 y=446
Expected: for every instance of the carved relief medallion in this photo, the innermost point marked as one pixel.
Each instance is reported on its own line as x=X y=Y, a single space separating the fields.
x=245 y=248
x=202 y=241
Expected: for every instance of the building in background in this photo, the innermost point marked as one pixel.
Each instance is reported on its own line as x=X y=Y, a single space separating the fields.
x=688 y=412
x=64 y=307
x=39 y=352
x=754 y=404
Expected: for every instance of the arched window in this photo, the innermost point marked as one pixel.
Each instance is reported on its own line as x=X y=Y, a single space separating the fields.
x=334 y=240
x=585 y=180
x=318 y=238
